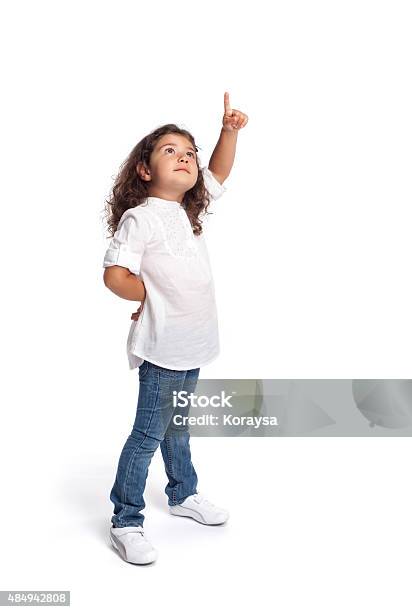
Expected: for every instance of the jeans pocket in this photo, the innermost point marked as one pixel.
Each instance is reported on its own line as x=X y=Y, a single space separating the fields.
x=143 y=368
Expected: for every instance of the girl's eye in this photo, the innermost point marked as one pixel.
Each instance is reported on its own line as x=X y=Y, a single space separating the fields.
x=171 y=149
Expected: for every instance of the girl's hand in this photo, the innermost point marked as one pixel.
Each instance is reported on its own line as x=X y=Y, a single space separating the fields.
x=136 y=315
x=233 y=119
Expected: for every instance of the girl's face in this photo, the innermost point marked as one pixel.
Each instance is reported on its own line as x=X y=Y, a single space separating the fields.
x=173 y=168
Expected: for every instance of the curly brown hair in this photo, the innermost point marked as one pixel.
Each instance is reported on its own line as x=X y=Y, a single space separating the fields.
x=129 y=190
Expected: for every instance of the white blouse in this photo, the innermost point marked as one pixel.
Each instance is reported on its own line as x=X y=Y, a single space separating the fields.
x=177 y=327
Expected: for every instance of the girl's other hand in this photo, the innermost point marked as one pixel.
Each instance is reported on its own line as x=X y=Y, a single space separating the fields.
x=136 y=315
x=233 y=119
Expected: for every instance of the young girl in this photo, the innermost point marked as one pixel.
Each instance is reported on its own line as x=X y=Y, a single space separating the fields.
x=158 y=256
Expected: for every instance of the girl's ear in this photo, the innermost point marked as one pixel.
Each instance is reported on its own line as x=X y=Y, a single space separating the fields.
x=142 y=171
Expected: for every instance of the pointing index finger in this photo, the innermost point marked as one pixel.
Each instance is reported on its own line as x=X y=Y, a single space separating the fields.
x=228 y=110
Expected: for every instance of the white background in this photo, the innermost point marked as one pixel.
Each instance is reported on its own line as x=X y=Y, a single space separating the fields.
x=311 y=253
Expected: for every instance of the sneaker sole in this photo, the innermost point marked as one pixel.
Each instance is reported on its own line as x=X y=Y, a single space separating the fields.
x=122 y=552
x=186 y=513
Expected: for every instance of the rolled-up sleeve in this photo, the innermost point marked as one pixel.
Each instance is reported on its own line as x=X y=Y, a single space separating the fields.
x=212 y=184
x=128 y=244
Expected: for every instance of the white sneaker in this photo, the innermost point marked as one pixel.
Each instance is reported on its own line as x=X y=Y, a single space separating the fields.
x=132 y=545
x=200 y=509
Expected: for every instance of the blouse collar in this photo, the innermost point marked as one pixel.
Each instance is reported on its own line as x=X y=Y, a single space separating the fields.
x=163 y=203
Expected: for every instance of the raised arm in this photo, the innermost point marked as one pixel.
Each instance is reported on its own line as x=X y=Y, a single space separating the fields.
x=223 y=156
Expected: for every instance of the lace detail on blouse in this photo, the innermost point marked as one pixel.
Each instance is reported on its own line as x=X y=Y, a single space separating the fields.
x=177 y=230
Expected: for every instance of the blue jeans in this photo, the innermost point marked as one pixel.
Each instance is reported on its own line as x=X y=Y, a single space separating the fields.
x=154 y=425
